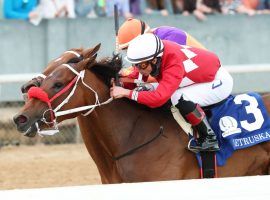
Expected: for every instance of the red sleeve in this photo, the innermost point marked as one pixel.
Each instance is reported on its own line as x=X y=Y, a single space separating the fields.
x=169 y=83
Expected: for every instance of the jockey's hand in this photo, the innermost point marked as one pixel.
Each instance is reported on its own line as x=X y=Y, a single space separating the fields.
x=117 y=92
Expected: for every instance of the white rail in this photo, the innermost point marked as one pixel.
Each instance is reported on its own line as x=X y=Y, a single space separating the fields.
x=244 y=188
x=17 y=78
x=236 y=69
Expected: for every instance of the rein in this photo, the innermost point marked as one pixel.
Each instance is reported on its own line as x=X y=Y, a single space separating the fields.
x=139 y=147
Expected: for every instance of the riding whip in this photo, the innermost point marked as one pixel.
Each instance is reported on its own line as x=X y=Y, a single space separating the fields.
x=116 y=26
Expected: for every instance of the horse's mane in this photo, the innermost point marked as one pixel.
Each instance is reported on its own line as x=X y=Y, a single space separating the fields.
x=107 y=68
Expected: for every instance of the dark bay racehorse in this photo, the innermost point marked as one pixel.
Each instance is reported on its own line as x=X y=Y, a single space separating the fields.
x=117 y=127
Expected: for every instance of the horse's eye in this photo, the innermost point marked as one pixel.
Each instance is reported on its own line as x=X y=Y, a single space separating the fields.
x=57 y=85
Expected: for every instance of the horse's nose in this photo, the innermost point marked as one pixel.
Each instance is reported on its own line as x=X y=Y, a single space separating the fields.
x=26 y=87
x=20 y=120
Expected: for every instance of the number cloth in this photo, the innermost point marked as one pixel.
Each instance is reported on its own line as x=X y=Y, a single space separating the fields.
x=242 y=121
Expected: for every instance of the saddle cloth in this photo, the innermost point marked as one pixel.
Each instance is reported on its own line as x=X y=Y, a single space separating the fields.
x=240 y=122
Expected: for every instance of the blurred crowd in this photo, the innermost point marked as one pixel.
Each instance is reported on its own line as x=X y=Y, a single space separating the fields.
x=35 y=10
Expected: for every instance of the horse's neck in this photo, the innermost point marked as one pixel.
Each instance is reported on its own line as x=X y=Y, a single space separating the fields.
x=114 y=124
x=105 y=133
x=106 y=130
x=111 y=123
x=96 y=149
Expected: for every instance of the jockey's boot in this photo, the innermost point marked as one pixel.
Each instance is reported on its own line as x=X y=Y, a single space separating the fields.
x=207 y=140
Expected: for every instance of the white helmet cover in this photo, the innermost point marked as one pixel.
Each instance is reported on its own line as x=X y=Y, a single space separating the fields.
x=143 y=48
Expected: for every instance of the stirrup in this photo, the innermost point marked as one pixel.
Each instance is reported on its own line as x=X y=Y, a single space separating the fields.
x=190 y=146
x=198 y=148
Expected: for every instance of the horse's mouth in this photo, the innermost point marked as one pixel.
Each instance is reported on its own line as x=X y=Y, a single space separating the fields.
x=31 y=131
x=26 y=125
x=28 y=131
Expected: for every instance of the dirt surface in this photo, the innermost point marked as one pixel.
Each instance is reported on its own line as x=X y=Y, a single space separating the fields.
x=46 y=166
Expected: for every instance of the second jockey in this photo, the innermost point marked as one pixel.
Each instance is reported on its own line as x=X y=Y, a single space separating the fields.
x=189 y=77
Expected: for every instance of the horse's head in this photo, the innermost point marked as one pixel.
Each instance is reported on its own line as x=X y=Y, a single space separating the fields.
x=43 y=101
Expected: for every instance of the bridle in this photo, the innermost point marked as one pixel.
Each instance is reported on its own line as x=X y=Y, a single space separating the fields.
x=40 y=77
x=72 y=52
x=39 y=93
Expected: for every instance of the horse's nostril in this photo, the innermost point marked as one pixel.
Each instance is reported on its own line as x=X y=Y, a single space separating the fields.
x=21 y=119
x=28 y=87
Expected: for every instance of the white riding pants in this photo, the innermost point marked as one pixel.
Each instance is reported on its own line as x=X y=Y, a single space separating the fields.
x=206 y=94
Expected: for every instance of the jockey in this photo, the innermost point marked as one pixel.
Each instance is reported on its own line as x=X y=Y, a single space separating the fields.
x=189 y=77
x=132 y=28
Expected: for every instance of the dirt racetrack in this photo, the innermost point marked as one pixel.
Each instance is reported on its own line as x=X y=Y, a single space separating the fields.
x=46 y=166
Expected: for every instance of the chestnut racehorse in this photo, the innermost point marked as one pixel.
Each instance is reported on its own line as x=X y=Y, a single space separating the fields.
x=117 y=127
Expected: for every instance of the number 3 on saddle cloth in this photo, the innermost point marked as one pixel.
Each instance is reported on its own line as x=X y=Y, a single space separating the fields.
x=240 y=122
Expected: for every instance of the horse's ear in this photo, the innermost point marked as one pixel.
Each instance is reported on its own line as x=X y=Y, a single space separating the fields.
x=91 y=52
x=91 y=61
x=82 y=65
x=96 y=48
x=86 y=63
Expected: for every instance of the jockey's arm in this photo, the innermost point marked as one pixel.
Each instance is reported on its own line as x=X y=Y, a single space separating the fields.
x=167 y=86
